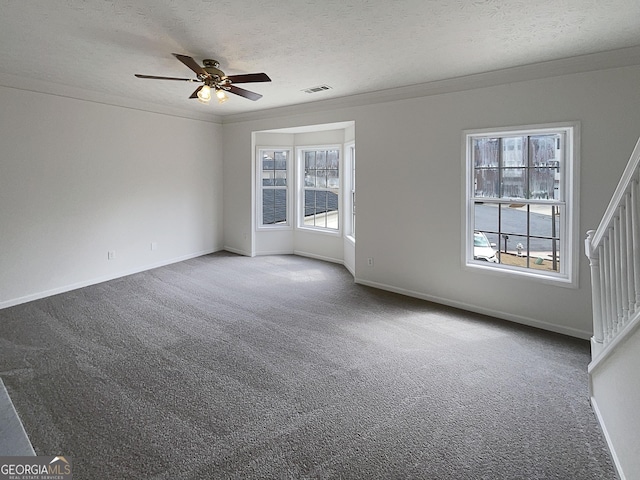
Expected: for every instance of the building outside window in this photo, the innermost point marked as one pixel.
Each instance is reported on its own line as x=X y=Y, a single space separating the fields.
x=521 y=201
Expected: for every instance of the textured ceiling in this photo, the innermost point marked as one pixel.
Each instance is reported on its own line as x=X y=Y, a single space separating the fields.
x=353 y=46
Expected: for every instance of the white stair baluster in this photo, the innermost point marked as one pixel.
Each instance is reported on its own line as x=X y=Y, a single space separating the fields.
x=596 y=295
x=631 y=293
x=635 y=220
x=623 y=279
x=606 y=260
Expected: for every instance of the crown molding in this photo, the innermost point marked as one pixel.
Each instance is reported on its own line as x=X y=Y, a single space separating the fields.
x=48 y=88
x=624 y=57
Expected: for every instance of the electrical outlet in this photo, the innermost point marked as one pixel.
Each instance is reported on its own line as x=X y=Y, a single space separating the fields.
x=370 y=261
x=154 y=245
x=111 y=254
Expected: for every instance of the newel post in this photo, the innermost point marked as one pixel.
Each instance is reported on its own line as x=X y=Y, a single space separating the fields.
x=594 y=264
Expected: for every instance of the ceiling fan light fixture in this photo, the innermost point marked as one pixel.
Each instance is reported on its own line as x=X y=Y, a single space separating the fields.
x=222 y=95
x=204 y=95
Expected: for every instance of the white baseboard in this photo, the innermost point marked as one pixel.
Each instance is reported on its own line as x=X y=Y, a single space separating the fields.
x=93 y=281
x=238 y=251
x=265 y=253
x=607 y=438
x=318 y=257
x=351 y=270
x=572 y=332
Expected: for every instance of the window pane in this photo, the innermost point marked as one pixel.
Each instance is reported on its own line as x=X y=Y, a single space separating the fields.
x=486 y=218
x=309 y=178
x=486 y=152
x=543 y=183
x=542 y=222
x=332 y=159
x=487 y=183
x=280 y=206
x=513 y=218
x=514 y=182
x=281 y=178
x=267 y=179
x=267 y=161
x=280 y=159
x=513 y=154
x=309 y=160
x=321 y=178
x=542 y=258
x=268 y=206
x=544 y=149
x=309 y=202
x=321 y=159
x=332 y=179
x=332 y=201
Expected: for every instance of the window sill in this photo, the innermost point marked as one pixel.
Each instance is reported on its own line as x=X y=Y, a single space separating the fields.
x=323 y=231
x=557 y=280
x=268 y=228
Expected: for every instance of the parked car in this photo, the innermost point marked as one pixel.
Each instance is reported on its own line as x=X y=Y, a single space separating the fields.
x=483 y=249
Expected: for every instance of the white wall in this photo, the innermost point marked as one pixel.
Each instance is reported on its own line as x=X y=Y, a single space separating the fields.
x=409 y=184
x=616 y=396
x=79 y=178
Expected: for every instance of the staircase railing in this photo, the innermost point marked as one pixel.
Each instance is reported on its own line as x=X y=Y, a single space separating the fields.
x=614 y=257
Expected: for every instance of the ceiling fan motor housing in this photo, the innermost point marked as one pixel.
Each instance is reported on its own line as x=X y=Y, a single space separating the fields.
x=211 y=67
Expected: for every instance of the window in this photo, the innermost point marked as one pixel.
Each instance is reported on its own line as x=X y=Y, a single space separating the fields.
x=273 y=174
x=350 y=188
x=521 y=201
x=352 y=203
x=320 y=188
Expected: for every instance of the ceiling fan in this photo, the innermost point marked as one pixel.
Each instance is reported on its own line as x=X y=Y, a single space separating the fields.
x=213 y=78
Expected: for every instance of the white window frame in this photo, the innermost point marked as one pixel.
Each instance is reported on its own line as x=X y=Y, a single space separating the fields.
x=300 y=203
x=569 y=184
x=349 y=190
x=289 y=188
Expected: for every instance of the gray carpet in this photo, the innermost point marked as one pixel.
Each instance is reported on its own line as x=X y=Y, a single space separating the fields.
x=13 y=439
x=281 y=367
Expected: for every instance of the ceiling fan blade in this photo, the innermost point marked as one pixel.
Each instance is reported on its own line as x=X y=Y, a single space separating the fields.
x=249 y=78
x=245 y=93
x=153 y=77
x=191 y=63
x=195 y=94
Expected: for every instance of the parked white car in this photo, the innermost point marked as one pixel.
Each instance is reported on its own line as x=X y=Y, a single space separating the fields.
x=483 y=249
